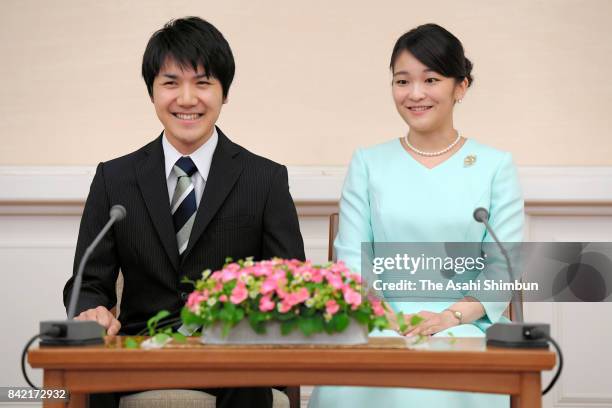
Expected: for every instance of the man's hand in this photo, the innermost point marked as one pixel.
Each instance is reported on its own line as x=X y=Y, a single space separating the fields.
x=105 y=318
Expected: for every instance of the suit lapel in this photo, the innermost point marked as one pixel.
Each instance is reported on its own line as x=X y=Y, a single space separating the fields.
x=151 y=176
x=224 y=171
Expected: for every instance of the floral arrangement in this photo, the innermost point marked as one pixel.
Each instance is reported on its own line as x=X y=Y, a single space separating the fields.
x=298 y=295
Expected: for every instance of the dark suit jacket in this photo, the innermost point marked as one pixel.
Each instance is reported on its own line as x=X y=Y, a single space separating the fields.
x=245 y=210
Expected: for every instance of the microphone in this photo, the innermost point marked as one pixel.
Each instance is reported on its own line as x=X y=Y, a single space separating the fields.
x=75 y=332
x=482 y=215
x=513 y=334
x=117 y=212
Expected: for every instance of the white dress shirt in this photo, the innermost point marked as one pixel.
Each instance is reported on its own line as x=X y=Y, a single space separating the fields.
x=202 y=159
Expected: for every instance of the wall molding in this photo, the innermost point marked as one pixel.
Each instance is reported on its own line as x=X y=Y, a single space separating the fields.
x=61 y=190
x=308 y=183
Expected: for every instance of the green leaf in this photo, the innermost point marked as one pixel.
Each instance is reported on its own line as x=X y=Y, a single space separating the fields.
x=311 y=325
x=340 y=322
x=284 y=316
x=319 y=323
x=420 y=339
x=131 y=343
x=160 y=315
x=257 y=320
x=401 y=321
x=416 y=320
x=258 y=326
x=227 y=326
x=189 y=281
x=287 y=326
x=227 y=313
x=329 y=327
x=380 y=322
x=179 y=338
x=161 y=338
x=238 y=315
x=152 y=322
x=361 y=316
x=308 y=311
x=187 y=317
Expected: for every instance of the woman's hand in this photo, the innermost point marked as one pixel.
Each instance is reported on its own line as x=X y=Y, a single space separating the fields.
x=432 y=323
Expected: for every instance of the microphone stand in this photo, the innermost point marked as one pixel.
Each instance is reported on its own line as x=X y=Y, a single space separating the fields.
x=514 y=334
x=72 y=332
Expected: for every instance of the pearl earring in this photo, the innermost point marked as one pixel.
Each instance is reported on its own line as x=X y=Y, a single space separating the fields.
x=459 y=100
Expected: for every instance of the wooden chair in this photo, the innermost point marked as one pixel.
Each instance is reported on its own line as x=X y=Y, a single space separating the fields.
x=334 y=220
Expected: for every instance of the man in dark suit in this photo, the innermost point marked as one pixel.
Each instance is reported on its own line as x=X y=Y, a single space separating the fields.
x=193 y=197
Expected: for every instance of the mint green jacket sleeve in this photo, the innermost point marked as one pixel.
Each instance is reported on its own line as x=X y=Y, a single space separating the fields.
x=506 y=217
x=355 y=215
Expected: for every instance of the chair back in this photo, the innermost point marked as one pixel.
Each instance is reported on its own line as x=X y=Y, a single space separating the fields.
x=334 y=220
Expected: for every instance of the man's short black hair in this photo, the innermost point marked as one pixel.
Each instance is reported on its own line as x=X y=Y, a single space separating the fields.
x=190 y=42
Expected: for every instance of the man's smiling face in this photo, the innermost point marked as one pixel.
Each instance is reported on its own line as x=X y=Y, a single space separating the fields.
x=188 y=104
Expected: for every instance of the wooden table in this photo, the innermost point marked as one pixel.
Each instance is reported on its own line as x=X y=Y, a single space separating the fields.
x=461 y=364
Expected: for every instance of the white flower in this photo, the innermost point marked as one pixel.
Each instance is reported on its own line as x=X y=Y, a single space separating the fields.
x=211 y=301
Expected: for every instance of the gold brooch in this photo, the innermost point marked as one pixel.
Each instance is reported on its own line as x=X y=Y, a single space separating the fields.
x=469 y=160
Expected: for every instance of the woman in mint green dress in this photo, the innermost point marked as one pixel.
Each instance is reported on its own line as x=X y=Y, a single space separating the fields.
x=424 y=187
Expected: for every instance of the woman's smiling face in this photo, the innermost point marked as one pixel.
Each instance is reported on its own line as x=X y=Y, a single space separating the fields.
x=424 y=98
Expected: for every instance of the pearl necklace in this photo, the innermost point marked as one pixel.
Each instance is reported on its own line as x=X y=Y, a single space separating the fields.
x=432 y=154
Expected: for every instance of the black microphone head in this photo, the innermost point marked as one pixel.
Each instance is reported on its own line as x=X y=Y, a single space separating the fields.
x=481 y=214
x=118 y=212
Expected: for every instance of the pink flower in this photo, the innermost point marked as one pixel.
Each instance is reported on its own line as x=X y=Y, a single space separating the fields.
x=281 y=293
x=239 y=293
x=317 y=276
x=378 y=308
x=331 y=307
x=261 y=270
x=284 y=306
x=266 y=304
x=279 y=275
x=194 y=300
x=223 y=298
x=244 y=274
x=228 y=274
x=334 y=280
x=339 y=267
x=295 y=298
x=302 y=295
x=268 y=286
x=352 y=298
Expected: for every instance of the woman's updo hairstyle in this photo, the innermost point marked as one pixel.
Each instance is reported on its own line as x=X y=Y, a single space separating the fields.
x=437 y=49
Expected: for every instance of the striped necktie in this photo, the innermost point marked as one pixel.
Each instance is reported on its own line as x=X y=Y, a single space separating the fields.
x=183 y=204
